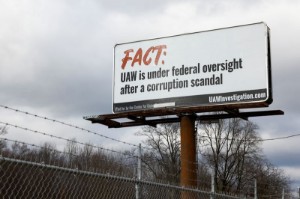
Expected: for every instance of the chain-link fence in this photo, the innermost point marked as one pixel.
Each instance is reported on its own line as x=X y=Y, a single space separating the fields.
x=26 y=179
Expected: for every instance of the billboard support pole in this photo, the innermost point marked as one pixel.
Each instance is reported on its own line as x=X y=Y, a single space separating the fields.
x=188 y=175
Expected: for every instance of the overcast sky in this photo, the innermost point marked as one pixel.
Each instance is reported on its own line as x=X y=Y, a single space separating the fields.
x=56 y=60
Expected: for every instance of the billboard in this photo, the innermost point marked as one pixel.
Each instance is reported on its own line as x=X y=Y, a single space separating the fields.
x=215 y=67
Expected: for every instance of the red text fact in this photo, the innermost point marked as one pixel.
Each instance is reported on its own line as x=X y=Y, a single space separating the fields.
x=144 y=56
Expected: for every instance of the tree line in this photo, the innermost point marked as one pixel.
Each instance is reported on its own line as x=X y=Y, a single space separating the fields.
x=229 y=150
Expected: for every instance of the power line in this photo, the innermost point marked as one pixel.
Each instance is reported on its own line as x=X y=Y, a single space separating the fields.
x=281 y=138
x=259 y=140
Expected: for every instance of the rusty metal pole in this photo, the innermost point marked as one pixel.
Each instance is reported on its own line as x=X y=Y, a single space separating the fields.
x=188 y=175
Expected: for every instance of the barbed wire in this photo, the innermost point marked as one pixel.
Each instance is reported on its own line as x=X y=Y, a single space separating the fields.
x=80 y=128
x=123 y=142
x=36 y=146
x=131 y=144
x=74 y=141
x=66 y=124
x=123 y=164
x=54 y=150
x=61 y=138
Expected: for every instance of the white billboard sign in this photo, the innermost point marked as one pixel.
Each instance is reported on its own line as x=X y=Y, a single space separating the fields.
x=223 y=66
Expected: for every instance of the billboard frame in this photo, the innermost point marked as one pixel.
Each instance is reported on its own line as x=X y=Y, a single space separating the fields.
x=164 y=101
x=158 y=116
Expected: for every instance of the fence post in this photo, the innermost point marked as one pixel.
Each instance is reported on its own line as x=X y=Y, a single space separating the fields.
x=282 y=193
x=212 y=195
x=255 y=189
x=139 y=172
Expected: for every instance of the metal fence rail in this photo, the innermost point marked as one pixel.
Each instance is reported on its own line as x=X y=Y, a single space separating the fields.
x=26 y=179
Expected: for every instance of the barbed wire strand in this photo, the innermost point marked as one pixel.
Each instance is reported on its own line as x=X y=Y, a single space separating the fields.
x=37 y=146
x=66 y=124
x=116 y=140
x=53 y=149
x=123 y=142
x=76 y=127
x=65 y=139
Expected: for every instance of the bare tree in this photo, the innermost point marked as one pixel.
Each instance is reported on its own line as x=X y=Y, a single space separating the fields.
x=47 y=153
x=232 y=148
x=228 y=145
x=163 y=158
x=85 y=155
x=3 y=131
x=20 y=150
x=71 y=150
x=270 y=179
